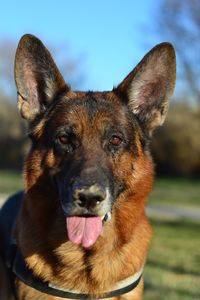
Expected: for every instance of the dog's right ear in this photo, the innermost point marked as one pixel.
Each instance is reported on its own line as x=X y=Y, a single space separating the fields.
x=38 y=79
x=148 y=88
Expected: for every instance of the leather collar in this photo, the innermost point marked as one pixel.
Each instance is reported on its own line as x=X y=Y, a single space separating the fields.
x=20 y=270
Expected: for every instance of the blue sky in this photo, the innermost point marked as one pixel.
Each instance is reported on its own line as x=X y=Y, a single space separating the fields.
x=109 y=35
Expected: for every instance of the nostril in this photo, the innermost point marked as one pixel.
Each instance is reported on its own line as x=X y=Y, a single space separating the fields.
x=97 y=198
x=82 y=199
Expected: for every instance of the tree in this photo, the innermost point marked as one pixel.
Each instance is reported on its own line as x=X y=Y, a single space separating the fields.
x=176 y=145
x=179 y=22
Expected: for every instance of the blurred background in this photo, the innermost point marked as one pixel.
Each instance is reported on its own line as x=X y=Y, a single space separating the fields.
x=96 y=44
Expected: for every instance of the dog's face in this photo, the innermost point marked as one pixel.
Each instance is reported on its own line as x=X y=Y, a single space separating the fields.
x=91 y=138
x=92 y=144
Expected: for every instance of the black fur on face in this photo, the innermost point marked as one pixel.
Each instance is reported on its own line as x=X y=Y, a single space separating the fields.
x=89 y=135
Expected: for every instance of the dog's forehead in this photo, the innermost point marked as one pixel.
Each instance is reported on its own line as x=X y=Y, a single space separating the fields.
x=89 y=106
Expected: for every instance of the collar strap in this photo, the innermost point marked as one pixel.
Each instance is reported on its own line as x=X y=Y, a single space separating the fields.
x=25 y=275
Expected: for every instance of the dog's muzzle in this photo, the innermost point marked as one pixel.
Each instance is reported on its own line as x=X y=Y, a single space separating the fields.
x=86 y=206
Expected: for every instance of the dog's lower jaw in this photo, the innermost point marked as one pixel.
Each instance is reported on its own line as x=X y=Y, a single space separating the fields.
x=76 y=264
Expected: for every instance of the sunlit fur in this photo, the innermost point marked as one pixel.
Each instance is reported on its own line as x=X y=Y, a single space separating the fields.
x=121 y=249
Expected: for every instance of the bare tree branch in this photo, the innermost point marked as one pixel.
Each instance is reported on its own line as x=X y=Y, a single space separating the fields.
x=179 y=22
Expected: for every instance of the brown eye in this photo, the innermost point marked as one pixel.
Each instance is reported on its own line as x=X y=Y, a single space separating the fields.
x=115 y=140
x=63 y=139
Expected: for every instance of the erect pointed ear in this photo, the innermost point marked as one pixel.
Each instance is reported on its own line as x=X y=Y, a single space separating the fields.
x=149 y=86
x=38 y=79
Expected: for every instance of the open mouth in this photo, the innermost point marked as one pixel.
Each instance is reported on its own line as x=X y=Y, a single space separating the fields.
x=85 y=230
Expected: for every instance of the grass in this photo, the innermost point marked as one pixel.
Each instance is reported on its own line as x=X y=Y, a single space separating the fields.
x=173 y=268
x=10 y=182
x=175 y=191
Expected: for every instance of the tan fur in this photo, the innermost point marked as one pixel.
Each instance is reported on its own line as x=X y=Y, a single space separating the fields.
x=68 y=266
x=121 y=249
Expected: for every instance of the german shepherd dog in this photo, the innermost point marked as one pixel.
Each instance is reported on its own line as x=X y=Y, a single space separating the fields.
x=80 y=229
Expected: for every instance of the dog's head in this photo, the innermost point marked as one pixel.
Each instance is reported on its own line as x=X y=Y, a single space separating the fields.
x=93 y=145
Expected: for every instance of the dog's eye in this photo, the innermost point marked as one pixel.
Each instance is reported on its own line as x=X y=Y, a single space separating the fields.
x=63 y=139
x=66 y=142
x=115 y=140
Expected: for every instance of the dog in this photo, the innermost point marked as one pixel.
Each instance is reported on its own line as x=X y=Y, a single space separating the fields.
x=79 y=229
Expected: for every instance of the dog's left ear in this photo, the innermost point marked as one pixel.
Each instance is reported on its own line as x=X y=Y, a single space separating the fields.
x=148 y=88
x=37 y=77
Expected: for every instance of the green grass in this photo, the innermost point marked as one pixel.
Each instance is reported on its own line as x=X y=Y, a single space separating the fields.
x=173 y=268
x=176 y=191
x=10 y=182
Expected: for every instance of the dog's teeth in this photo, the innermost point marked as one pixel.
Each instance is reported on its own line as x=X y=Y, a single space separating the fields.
x=106 y=217
x=109 y=216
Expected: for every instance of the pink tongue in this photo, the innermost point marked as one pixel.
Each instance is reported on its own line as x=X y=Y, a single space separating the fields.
x=84 y=231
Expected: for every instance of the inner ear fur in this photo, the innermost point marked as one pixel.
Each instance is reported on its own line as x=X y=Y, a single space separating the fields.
x=150 y=85
x=37 y=77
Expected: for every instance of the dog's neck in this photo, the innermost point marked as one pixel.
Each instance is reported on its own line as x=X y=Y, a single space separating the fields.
x=24 y=274
x=48 y=247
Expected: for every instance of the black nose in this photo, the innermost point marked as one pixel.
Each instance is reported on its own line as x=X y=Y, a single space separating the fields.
x=89 y=196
